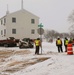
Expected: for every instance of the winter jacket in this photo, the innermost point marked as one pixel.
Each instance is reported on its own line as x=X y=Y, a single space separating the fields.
x=66 y=42
x=37 y=42
x=59 y=42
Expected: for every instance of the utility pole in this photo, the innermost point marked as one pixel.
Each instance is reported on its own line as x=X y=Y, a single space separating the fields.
x=40 y=31
x=22 y=4
x=7 y=12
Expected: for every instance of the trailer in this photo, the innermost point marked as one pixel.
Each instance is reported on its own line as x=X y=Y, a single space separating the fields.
x=26 y=43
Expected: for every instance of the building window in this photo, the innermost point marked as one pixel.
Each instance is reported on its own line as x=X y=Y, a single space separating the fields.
x=1 y=22
x=13 y=20
x=4 y=21
x=13 y=31
x=1 y=32
x=4 y=32
x=32 y=31
x=32 y=21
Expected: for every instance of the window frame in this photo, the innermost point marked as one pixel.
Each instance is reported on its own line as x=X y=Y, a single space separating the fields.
x=13 y=20
x=33 y=31
x=33 y=21
x=1 y=32
x=1 y=21
x=13 y=31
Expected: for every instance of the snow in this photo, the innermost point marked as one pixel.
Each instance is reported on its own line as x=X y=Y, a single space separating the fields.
x=56 y=64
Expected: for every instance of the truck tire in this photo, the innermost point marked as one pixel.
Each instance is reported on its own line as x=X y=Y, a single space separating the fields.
x=20 y=47
x=5 y=45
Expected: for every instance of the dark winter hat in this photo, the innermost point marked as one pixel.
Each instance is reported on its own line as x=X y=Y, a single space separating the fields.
x=38 y=38
x=66 y=38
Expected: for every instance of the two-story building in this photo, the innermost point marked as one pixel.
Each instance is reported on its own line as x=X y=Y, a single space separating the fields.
x=19 y=24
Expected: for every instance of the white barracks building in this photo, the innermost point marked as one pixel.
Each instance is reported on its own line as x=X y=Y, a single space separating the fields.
x=20 y=24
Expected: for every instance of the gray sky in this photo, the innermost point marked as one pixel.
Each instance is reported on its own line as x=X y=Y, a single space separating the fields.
x=53 y=13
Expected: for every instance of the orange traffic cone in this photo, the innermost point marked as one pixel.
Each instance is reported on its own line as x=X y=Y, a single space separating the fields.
x=69 y=49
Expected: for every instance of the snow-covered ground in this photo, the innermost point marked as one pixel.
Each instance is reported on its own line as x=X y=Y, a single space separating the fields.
x=15 y=61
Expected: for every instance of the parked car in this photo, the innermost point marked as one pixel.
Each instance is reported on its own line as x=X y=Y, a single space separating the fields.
x=26 y=43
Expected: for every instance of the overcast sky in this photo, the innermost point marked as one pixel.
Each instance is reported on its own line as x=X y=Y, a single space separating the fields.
x=53 y=13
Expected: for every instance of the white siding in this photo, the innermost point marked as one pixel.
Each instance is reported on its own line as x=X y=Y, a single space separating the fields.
x=23 y=25
x=2 y=29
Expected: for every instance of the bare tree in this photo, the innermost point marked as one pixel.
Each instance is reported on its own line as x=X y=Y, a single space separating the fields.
x=52 y=34
x=71 y=17
x=71 y=21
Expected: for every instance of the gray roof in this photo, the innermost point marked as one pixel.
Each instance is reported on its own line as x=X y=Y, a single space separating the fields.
x=22 y=10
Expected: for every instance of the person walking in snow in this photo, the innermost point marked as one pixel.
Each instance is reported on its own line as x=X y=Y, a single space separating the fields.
x=66 y=43
x=59 y=45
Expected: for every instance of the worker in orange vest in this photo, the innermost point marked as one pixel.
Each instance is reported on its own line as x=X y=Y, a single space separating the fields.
x=59 y=45
x=37 y=44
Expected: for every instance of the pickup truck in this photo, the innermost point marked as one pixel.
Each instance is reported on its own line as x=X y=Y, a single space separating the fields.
x=8 y=43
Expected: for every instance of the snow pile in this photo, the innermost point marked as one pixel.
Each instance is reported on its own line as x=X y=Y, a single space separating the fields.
x=49 y=63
